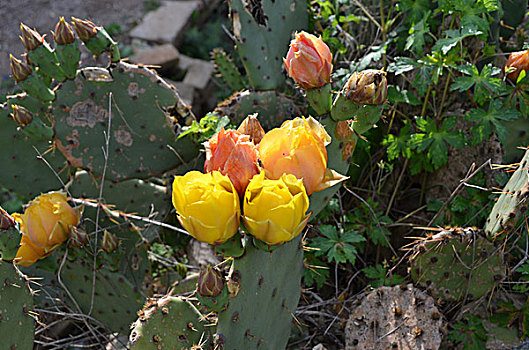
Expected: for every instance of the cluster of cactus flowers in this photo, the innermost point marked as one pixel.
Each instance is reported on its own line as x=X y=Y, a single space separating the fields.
x=272 y=174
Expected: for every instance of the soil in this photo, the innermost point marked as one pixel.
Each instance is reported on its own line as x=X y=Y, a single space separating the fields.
x=44 y=14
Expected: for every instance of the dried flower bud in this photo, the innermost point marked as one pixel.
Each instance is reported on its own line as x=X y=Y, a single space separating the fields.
x=19 y=69
x=79 y=237
x=518 y=61
x=110 y=242
x=63 y=33
x=21 y=115
x=368 y=87
x=6 y=220
x=85 y=29
x=31 y=39
x=210 y=282
x=250 y=126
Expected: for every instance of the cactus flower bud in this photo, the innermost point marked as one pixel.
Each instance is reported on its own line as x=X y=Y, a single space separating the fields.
x=518 y=61
x=85 y=29
x=110 y=242
x=207 y=206
x=79 y=237
x=368 y=87
x=234 y=155
x=19 y=69
x=6 y=220
x=309 y=61
x=210 y=282
x=250 y=126
x=63 y=33
x=275 y=211
x=21 y=115
x=31 y=39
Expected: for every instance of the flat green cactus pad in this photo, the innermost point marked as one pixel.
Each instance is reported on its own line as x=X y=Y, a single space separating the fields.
x=456 y=267
x=142 y=124
x=168 y=323
x=268 y=288
x=22 y=170
x=16 y=326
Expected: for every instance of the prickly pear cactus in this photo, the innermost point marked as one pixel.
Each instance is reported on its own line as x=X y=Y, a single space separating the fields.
x=266 y=281
x=457 y=264
x=16 y=325
x=263 y=30
x=228 y=71
x=511 y=203
x=141 y=129
x=70 y=123
x=272 y=107
x=168 y=323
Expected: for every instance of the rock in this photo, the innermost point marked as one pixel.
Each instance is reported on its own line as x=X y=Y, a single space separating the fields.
x=199 y=72
x=185 y=91
x=399 y=318
x=201 y=254
x=160 y=55
x=167 y=23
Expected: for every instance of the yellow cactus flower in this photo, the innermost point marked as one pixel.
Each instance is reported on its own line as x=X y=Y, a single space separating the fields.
x=45 y=224
x=28 y=253
x=207 y=206
x=275 y=210
x=298 y=148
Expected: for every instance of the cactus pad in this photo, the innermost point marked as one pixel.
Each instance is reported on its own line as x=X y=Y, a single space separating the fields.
x=142 y=124
x=168 y=323
x=457 y=264
x=16 y=326
x=272 y=107
x=262 y=30
x=267 y=288
x=512 y=201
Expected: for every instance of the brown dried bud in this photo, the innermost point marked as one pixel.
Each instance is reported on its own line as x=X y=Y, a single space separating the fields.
x=516 y=63
x=63 y=33
x=368 y=87
x=21 y=115
x=210 y=282
x=110 y=242
x=19 y=69
x=84 y=28
x=31 y=39
x=6 y=220
x=251 y=126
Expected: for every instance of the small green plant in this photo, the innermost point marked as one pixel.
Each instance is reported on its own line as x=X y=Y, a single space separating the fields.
x=337 y=245
x=378 y=276
x=469 y=332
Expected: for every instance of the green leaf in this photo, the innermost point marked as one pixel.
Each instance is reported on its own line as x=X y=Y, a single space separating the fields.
x=337 y=246
x=454 y=37
x=490 y=119
x=434 y=140
x=402 y=65
x=485 y=85
x=418 y=35
x=396 y=95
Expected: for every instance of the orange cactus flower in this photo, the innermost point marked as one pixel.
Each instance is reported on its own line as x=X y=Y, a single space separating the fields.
x=233 y=154
x=518 y=61
x=309 y=61
x=298 y=148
